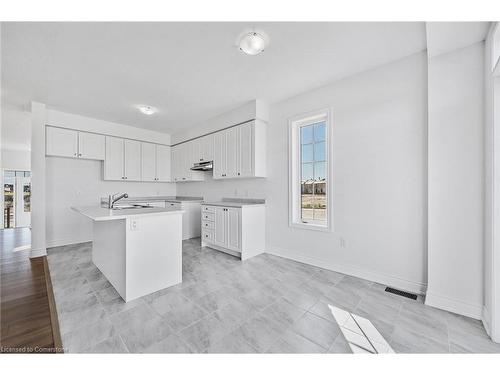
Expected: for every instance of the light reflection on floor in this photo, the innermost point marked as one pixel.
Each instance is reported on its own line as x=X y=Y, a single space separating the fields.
x=360 y=333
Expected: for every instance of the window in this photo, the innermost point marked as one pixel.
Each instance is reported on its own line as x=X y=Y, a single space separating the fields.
x=309 y=171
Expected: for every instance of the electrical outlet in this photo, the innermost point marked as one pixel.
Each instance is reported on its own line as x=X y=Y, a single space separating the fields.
x=342 y=242
x=134 y=224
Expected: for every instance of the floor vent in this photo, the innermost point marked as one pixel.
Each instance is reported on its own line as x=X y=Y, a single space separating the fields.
x=401 y=293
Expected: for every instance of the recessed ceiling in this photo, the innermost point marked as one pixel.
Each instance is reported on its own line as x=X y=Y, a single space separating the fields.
x=188 y=71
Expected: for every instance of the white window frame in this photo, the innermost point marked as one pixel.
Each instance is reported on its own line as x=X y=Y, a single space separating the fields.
x=294 y=187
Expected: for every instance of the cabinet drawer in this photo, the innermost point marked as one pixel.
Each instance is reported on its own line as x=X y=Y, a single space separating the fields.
x=207 y=225
x=207 y=208
x=208 y=216
x=207 y=235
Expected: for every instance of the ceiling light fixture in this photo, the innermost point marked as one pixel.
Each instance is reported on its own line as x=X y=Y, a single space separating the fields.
x=253 y=43
x=147 y=109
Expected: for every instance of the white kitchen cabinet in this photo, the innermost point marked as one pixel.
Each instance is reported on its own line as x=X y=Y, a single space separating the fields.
x=114 y=160
x=61 y=142
x=123 y=159
x=219 y=169
x=206 y=147
x=163 y=165
x=238 y=231
x=132 y=159
x=191 y=225
x=91 y=146
x=240 y=151
x=148 y=160
x=183 y=156
x=233 y=228
x=155 y=162
x=220 y=237
x=74 y=144
x=232 y=152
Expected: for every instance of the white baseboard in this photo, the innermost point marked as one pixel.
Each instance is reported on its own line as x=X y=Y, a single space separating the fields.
x=485 y=317
x=457 y=306
x=66 y=241
x=35 y=253
x=393 y=281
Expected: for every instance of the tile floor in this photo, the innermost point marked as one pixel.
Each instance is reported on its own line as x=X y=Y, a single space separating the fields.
x=265 y=304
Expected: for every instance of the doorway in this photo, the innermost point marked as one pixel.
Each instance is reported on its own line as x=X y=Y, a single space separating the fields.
x=17 y=199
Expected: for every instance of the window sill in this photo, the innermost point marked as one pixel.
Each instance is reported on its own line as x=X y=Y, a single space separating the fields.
x=310 y=226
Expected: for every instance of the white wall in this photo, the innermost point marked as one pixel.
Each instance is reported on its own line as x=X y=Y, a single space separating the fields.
x=455 y=205
x=77 y=182
x=16 y=138
x=255 y=109
x=379 y=122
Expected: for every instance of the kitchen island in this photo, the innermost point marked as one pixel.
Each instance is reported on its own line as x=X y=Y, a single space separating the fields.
x=139 y=250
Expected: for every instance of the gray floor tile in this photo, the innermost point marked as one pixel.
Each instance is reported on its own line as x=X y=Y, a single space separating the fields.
x=340 y=346
x=406 y=341
x=112 y=345
x=223 y=305
x=232 y=343
x=317 y=330
x=88 y=336
x=260 y=332
x=140 y=337
x=170 y=344
x=292 y=342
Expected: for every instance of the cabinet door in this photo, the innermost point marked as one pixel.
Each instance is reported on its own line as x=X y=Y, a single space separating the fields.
x=194 y=151
x=207 y=148
x=220 y=226
x=175 y=163
x=148 y=162
x=186 y=161
x=132 y=152
x=163 y=163
x=61 y=142
x=91 y=146
x=113 y=163
x=232 y=152
x=219 y=170
x=233 y=228
x=245 y=150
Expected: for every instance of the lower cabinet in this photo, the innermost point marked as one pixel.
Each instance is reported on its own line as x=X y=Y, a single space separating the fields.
x=239 y=231
x=190 y=219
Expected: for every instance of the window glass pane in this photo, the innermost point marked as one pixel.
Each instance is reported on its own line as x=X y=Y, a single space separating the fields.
x=307 y=172
x=27 y=174
x=307 y=153
x=306 y=134
x=9 y=174
x=319 y=132
x=320 y=171
x=319 y=151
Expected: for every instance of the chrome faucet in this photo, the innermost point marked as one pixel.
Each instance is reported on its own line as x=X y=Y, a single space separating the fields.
x=112 y=200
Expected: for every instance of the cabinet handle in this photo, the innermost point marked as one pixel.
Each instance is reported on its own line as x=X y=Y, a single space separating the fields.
x=75 y=154
x=238 y=173
x=79 y=154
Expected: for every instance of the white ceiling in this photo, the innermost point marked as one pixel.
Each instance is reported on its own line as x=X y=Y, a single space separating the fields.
x=443 y=37
x=189 y=71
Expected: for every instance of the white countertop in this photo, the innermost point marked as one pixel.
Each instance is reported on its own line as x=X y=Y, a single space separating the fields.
x=101 y=214
x=233 y=204
x=157 y=198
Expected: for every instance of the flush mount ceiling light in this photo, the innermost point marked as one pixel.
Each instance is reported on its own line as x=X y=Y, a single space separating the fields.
x=253 y=43
x=147 y=109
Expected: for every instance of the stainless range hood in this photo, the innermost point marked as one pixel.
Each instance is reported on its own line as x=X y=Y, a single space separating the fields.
x=203 y=166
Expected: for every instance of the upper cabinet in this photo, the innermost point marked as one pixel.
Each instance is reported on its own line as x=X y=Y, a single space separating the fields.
x=184 y=155
x=240 y=151
x=74 y=144
x=155 y=162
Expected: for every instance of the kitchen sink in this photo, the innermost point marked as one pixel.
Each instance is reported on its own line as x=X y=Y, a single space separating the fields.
x=130 y=206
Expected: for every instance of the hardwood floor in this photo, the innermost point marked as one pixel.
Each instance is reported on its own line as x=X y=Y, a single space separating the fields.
x=24 y=313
